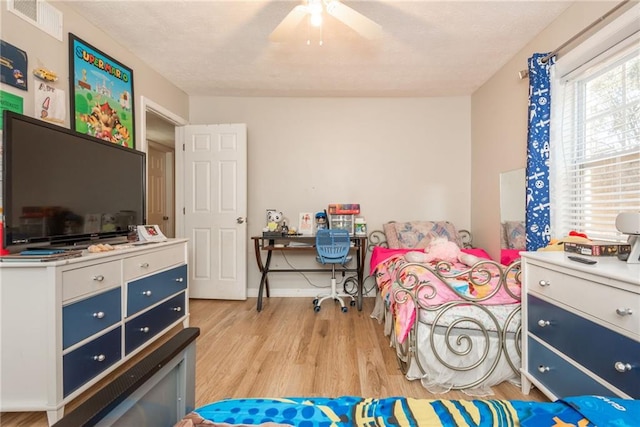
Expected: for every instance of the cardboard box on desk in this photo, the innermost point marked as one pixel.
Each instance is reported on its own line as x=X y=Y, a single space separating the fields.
x=344 y=208
x=597 y=248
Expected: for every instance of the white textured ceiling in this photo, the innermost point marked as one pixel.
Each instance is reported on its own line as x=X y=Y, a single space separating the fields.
x=222 y=47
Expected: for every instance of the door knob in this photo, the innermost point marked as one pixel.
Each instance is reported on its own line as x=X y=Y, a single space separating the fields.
x=165 y=218
x=240 y=220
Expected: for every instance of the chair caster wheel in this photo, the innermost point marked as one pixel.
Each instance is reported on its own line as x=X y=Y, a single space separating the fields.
x=352 y=303
x=344 y=309
x=316 y=308
x=315 y=301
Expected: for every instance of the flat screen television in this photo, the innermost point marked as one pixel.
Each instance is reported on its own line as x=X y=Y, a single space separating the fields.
x=62 y=188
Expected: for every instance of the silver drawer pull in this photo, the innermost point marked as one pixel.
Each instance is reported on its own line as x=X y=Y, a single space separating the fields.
x=622 y=367
x=177 y=308
x=144 y=265
x=146 y=293
x=543 y=323
x=98 y=278
x=544 y=283
x=624 y=311
x=145 y=329
x=543 y=369
x=100 y=358
x=179 y=280
x=99 y=315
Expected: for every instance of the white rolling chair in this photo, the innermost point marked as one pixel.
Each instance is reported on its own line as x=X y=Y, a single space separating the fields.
x=333 y=246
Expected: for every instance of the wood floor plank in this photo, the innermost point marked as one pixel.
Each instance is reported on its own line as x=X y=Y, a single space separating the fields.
x=289 y=350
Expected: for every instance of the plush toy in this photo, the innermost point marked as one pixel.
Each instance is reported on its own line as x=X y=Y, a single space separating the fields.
x=275 y=220
x=441 y=249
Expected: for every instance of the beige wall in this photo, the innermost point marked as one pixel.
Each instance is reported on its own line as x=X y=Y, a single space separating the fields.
x=401 y=159
x=499 y=122
x=44 y=50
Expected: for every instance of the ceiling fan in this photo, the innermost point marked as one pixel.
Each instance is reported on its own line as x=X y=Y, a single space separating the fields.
x=313 y=10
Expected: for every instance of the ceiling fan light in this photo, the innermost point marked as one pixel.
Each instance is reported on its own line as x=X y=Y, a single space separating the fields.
x=315 y=19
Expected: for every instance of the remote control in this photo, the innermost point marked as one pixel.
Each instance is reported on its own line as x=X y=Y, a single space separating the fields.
x=582 y=260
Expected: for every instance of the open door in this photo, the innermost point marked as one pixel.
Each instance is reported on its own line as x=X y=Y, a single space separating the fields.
x=215 y=209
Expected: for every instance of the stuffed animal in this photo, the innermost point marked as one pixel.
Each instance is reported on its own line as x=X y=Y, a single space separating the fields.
x=441 y=249
x=274 y=220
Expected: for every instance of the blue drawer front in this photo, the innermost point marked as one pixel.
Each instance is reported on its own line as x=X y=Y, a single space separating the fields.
x=591 y=345
x=562 y=378
x=149 y=324
x=82 y=364
x=87 y=317
x=147 y=291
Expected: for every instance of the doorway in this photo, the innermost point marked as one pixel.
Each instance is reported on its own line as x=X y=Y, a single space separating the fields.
x=161 y=183
x=159 y=142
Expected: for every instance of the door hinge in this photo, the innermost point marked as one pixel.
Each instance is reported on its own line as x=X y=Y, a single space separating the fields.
x=184 y=211
x=183 y=149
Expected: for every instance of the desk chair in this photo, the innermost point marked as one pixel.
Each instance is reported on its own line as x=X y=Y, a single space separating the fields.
x=333 y=248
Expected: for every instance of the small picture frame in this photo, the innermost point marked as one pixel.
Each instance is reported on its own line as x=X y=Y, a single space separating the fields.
x=150 y=233
x=305 y=223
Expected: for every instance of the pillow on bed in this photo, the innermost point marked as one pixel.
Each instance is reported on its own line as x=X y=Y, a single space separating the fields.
x=418 y=234
x=515 y=234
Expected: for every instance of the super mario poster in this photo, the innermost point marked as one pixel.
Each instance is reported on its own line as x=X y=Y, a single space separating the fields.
x=101 y=94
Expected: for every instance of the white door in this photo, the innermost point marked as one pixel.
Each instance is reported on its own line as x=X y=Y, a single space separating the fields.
x=215 y=209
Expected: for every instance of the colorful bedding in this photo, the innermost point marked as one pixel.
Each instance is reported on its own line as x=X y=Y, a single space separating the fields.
x=581 y=411
x=458 y=284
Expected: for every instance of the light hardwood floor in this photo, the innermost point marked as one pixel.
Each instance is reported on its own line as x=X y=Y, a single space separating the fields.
x=289 y=350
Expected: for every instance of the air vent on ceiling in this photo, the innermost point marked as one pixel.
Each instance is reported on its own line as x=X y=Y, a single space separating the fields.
x=39 y=13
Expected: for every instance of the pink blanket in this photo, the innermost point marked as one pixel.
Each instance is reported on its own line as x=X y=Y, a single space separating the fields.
x=387 y=267
x=381 y=254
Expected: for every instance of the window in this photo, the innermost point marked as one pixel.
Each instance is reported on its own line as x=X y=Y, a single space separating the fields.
x=595 y=143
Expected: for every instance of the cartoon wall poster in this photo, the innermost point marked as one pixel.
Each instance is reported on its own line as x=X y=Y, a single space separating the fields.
x=101 y=94
x=49 y=103
x=13 y=65
x=11 y=102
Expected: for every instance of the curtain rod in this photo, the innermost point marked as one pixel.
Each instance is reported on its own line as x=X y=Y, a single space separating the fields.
x=525 y=73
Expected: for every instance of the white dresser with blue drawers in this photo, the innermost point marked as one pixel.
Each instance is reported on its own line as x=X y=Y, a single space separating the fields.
x=582 y=326
x=66 y=324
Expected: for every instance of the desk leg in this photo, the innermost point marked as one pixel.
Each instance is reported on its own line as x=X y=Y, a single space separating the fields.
x=264 y=281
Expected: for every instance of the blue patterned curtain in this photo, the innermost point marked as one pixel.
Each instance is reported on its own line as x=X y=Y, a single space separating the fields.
x=538 y=223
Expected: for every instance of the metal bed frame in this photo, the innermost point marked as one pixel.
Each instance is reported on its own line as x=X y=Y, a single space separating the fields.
x=454 y=332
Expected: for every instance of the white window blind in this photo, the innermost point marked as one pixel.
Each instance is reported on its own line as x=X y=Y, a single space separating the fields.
x=595 y=157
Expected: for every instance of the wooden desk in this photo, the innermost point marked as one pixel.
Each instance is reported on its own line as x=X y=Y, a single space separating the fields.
x=268 y=244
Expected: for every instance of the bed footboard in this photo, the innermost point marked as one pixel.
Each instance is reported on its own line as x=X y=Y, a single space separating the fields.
x=465 y=328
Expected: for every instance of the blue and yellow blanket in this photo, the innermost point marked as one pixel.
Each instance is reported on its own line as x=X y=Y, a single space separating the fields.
x=582 y=411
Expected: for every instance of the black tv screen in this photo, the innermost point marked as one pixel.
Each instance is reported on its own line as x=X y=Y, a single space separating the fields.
x=64 y=188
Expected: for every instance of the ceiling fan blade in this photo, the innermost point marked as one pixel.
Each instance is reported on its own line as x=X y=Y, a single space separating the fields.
x=284 y=30
x=358 y=22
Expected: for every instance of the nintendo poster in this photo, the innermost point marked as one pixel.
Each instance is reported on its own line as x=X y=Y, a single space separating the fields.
x=101 y=94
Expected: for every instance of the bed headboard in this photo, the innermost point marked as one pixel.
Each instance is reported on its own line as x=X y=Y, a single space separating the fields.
x=417 y=234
